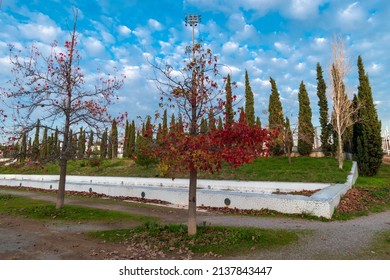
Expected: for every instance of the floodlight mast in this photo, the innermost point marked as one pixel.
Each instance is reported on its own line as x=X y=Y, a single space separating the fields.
x=193 y=20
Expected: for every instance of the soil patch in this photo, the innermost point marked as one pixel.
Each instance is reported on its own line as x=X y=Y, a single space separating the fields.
x=302 y=192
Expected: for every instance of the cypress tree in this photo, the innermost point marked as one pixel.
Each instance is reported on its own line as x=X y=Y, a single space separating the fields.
x=258 y=122
x=203 y=126
x=72 y=145
x=289 y=142
x=172 y=124
x=35 y=145
x=326 y=127
x=90 y=144
x=212 y=125
x=249 y=102
x=220 y=123
x=305 y=126
x=229 y=114
x=149 y=129
x=23 y=148
x=242 y=117
x=132 y=139
x=109 y=146
x=126 y=140
x=29 y=148
x=114 y=139
x=57 y=144
x=103 y=145
x=276 y=119
x=159 y=133
x=180 y=124
x=81 y=144
x=165 y=124
x=367 y=131
x=44 y=152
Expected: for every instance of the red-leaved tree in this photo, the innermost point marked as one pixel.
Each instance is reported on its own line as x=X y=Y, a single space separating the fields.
x=194 y=92
x=52 y=86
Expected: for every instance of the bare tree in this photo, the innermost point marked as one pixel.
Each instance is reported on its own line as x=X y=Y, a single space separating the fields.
x=53 y=87
x=343 y=109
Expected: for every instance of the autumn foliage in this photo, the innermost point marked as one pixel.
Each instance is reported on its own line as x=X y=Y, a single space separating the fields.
x=235 y=144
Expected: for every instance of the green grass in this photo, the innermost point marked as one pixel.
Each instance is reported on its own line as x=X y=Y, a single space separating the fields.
x=218 y=240
x=302 y=169
x=379 y=248
x=380 y=180
x=38 y=209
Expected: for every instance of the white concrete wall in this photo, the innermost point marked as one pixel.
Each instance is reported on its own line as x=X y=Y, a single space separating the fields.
x=241 y=194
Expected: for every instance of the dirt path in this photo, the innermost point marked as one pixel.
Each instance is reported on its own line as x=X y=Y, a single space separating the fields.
x=22 y=238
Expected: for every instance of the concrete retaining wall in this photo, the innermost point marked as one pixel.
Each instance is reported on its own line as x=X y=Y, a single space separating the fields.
x=235 y=194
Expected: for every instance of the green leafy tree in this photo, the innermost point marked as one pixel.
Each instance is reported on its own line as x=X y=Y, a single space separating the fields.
x=229 y=114
x=35 y=145
x=81 y=144
x=172 y=124
x=132 y=138
x=220 y=123
x=305 y=126
x=276 y=119
x=114 y=140
x=288 y=136
x=258 y=122
x=90 y=144
x=212 y=125
x=44 y=152
x=126 y=147
x=367 y=131
x=249 y=102
x=326 y=126
x=203 y=126
x=165 y=124
x=104 y=145
x=23 y=148
x=144 y=146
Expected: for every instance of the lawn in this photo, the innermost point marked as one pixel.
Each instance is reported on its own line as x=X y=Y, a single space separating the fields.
x=212 y=240
x=38 y=209
x=302 y=169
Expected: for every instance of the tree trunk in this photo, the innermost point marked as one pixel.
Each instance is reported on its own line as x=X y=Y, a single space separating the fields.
x=340 y=153
x=63 y=165
x=61 y=184
x=192 y=203
x=289 y=155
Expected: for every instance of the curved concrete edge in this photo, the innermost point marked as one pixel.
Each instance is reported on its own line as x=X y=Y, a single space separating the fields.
x=321 y=204
x=224 y=185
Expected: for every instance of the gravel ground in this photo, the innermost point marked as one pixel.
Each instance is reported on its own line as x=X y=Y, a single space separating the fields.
x=30 y=239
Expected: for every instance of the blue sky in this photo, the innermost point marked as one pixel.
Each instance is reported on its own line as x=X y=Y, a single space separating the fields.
x=270 y=38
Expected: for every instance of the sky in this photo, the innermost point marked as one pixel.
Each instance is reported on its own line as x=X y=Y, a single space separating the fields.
x=282 y=39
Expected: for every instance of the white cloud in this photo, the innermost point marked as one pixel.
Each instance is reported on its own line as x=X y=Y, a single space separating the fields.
x=302 y=9
x=352 y=16
x=93 y=46
x=124 y=30
x=155 y=25
x=374 y=68
x=143 y=35
x=45 y=33
x=132 y=72
x=300 y=66
x=40 y=27
x=282 y=47
x=230 y=47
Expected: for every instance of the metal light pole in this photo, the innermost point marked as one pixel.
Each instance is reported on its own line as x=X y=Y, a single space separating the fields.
x=193 y=20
